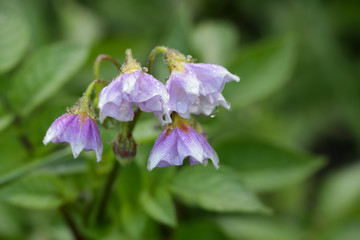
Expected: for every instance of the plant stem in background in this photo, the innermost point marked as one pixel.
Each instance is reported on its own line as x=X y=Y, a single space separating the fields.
x=107 y=190
x=72 y=225
x=154 y=52
x=98 y=62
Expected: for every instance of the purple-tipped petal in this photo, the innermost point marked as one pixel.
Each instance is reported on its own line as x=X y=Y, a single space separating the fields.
x=174 y=145
x=136 y=88
x=164 y=152
x=58 y=127
x=212 y=77
x=198 y=88
x=79 y=130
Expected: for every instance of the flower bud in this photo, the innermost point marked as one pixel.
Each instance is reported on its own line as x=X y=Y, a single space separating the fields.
x=124 y=147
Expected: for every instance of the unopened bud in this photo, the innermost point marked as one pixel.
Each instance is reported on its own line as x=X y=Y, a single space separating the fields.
x=125 y=147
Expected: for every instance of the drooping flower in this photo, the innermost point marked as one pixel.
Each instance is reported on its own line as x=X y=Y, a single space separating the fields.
x=195 y=87
x=179 y=141
x=133 y=87
x=78 y=129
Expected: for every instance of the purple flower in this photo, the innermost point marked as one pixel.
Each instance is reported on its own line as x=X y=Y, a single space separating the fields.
x=196 y=88
x=175 y=144
x=80 y=130
x=138 y=88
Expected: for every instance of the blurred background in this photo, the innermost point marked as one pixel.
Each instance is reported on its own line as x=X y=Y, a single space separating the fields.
x=289 y=147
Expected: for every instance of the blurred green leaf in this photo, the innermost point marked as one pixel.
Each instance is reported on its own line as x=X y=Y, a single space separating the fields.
x=159 y=205
x=32 y=166
x=215 y=42
x=44 y=73
x=147 y=130
x=34 y=191
x=6 y=120
x=10 y=222
x=133 y=219
x=217 y=190
x=198 y=229
x=257 y=228
x=78 y=22
x=14 y=35
x=348 y=230
x=339 y=195
x=264 y=166
x=12 y=151
x=263 y=69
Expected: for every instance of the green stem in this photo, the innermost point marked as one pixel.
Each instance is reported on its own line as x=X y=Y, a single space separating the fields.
x=98 y=62
x=71 y=224
x=154 y=52
x=133 y=122
x=107 y=190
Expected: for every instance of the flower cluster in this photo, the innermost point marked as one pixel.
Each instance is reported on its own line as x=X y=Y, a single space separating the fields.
x=191 y=88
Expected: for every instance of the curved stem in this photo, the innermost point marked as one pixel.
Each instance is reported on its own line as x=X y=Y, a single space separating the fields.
x=89 y=89
x=154 y=52
x=98 y=62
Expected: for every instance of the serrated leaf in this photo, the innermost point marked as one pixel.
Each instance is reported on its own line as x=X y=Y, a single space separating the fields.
x=44 y=73
x=257 y=228
x=263 y=69
x=14 y=35
x=159 y=206
x=217 y=190
x=34 y=191
x=264 y=166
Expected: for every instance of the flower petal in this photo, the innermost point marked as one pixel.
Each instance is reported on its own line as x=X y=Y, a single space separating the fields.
x=164 y=152
x=58 y=127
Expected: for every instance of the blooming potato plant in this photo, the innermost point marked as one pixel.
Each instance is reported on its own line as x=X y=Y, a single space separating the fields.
x=192 y=88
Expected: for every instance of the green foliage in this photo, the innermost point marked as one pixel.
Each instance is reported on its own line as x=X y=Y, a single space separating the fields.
x=44 y=73
x=263 y=69
x=339 y=195
x=264 y=166
x=35 y=191
x=217 y=190
x=257 y=227
x=13 y=44
x=288 y=150
x=160 y=206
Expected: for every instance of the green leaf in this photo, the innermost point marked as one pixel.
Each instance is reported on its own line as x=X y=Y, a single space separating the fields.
x=147 y=130
x=159 y=206
x=199 y=229
x=133 y=219
x=6 y=120
x=32 y=166
x=34 y=191
x=217 y=190
x=44 y=73
x=264 y=166
x=263 y=69
x=215 y=41
x=10 y=227
x=78 y=22
x=14 y=35
x=339 y=195
x=257 y=228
